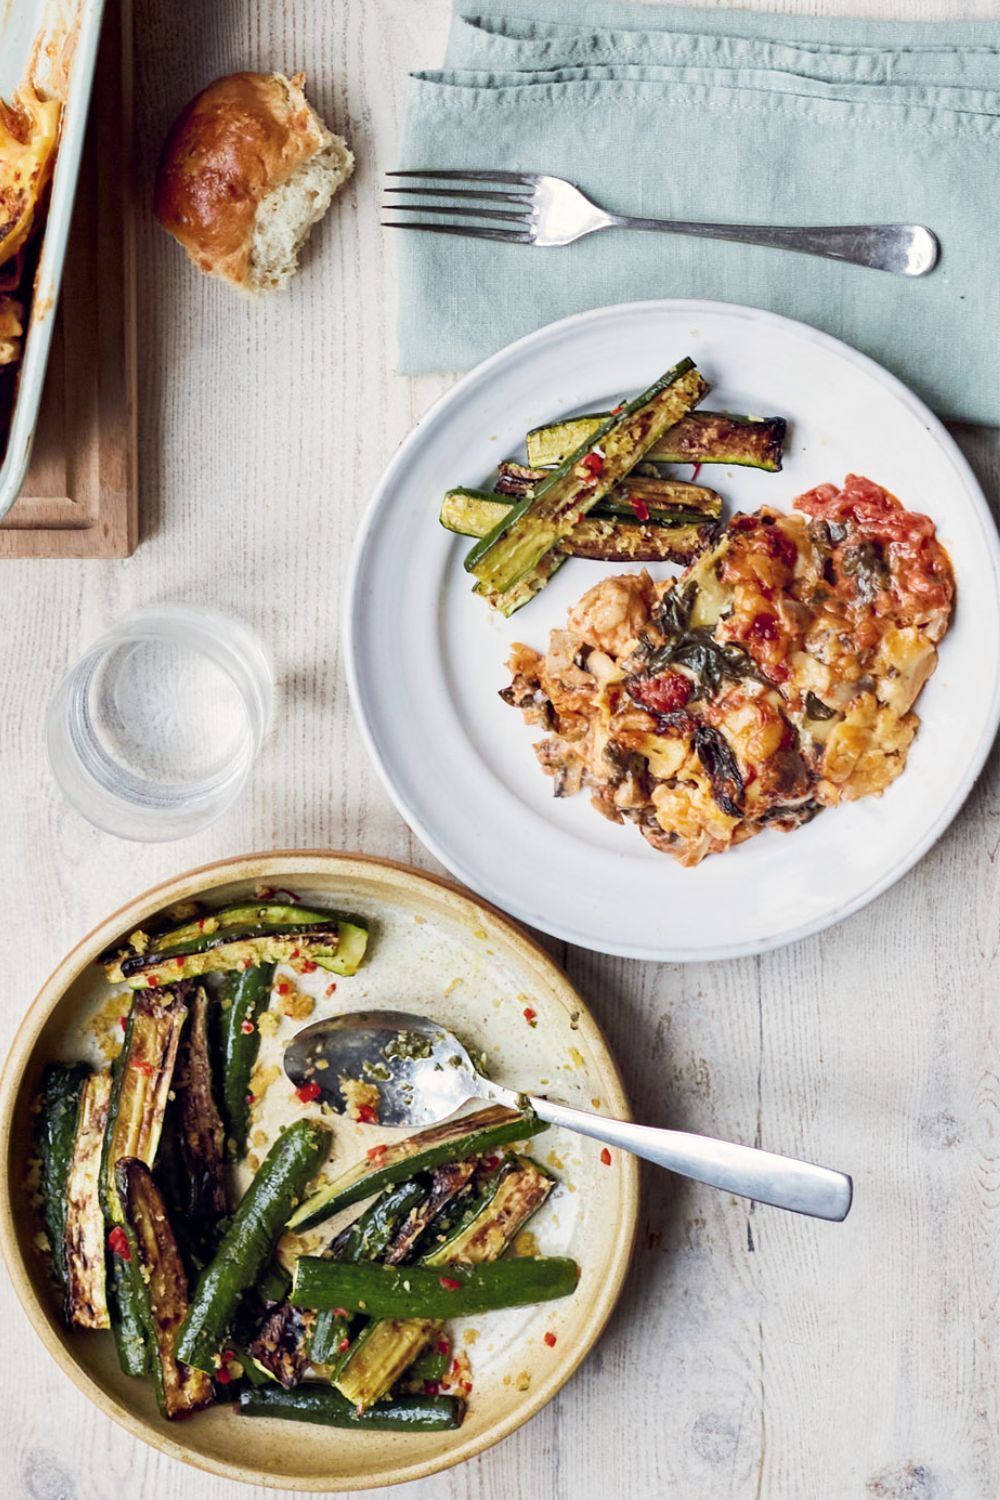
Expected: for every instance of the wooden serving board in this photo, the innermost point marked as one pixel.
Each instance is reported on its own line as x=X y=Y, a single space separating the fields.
x=80 y=498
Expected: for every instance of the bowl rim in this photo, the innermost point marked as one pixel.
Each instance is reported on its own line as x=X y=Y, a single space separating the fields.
x=22 y=1048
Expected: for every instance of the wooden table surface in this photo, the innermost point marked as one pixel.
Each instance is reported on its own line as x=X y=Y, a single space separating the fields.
x=753 y=1354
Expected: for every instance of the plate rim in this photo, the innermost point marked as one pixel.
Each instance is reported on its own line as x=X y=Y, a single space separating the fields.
x=203 y=878
x=455 y=863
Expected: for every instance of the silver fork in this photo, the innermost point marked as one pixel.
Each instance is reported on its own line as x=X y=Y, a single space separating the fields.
x=533 y=209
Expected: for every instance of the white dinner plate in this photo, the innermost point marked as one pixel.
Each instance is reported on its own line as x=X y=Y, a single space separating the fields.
x=425 y=657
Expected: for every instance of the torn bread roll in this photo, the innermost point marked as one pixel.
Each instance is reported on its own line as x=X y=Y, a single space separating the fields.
x=247 y=169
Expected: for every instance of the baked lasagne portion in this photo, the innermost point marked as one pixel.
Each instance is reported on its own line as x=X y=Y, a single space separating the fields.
x=775 y=677
x=29 y=130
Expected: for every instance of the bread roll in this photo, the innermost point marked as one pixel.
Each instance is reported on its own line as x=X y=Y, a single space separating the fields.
x=246 y=171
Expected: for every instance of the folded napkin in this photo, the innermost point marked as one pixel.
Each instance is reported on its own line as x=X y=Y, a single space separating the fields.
x=734 y=116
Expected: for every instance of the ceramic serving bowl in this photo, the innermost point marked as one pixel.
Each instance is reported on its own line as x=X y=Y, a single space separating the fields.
x=433 y=948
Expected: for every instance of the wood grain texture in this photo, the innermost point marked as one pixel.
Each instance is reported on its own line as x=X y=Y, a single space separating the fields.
x=80 y=496
x=754 y=1356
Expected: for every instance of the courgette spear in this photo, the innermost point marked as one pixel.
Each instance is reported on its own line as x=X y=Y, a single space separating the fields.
x=663 y=499
x=199 y=1124
x=471 y=1135
x=249 y=1242
x=244 y=994
x=385 y=1348
x=536 y=523
x=702 y=437
x=86 y=1294
x=59 y=1110
x=319 y=1403
x=424 y=1292
x=143 y=1082
x=245 y=916
x=141 y=1086
x=159 y=1288
x=336 y=946
x=603 y=538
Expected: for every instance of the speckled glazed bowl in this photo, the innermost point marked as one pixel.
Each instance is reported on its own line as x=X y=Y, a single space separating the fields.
x=433 y=949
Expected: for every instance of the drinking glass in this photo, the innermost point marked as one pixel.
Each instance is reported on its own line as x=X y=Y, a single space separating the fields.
x=152 y=733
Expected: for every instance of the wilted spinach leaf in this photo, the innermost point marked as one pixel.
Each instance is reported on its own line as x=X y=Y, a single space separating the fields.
x=717 y=757
x=866 y=564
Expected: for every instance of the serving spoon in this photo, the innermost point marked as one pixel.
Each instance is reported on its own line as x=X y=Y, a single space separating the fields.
x=424 y=1074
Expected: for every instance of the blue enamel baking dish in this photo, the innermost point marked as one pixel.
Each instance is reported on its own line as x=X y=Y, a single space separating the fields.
x=54 y=44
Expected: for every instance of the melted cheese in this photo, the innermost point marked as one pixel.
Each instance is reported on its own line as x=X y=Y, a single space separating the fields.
x=29 y=131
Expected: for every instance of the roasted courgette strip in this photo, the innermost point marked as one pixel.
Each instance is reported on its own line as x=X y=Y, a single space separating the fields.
x=199 y=1124
x=86 y=1293
x=537 y=522
x=472 y=1135
x=338 y=947
x=159 y=1286
x=424 y=1292
x=508 y=601
x=322 y=1404
x=55 y=1133
x=243 y=995
x=250 y=1240
x=638 y=497
x=142 y=1081
x=603 y=538
x=387 y=1347
x=244 y=916
x=701 y=437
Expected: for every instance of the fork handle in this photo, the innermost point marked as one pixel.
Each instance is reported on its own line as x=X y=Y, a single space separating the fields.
x=779 y=1180
x=905 y=249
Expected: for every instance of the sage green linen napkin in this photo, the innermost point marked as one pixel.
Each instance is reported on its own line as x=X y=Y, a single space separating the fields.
x=719 y=115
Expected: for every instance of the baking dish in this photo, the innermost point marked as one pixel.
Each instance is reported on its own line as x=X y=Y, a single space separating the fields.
x=52 y=44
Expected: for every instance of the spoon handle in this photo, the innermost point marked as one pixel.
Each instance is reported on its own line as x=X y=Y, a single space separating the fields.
x=781 y=1181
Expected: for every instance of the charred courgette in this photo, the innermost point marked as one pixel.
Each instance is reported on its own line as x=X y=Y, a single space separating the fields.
x=143 y=1081
x=603 y=538
x=472 y=1135
x=58 y=1113
x=322 y=1404
x=539 y=521
x=701 y=437
x=243 y=996
x=336 y=946
x=638 y=497
x=159 y=1288
x=141 y=1084
x=200 y=1131
x=424 y=1292
x=249 y=1242
x=86 y=1294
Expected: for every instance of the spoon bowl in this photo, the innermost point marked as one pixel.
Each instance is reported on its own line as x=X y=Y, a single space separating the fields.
x=422 y=1072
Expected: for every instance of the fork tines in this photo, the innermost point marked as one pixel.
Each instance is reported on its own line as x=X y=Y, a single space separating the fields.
x=510 y=208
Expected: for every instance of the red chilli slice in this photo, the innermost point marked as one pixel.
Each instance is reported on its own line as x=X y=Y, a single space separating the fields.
x=450 y=1284
x=118 y=1243
x=308 y=1092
